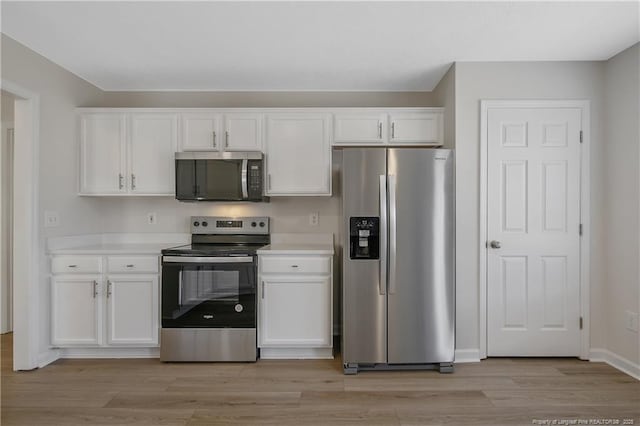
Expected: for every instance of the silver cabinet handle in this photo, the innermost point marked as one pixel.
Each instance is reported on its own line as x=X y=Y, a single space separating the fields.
x=294 y=266
x=73 y=266
x=269 y=181
x=133 y=181
x=263 y=289
x=95 y=288
x=379 y=129
x=383 y=235
x=495 y=244
x=214 y=139
x=109 y=284
x=393 y=225
x=120 y=181
x=226 y=139
x=393 y=130
x=130 y=266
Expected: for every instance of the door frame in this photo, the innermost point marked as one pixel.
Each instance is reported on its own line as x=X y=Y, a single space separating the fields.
x=585 y=214
x=26 y=247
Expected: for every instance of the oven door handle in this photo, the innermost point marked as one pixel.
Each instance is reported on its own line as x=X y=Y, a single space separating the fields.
x=180 y=290
x=206 y=259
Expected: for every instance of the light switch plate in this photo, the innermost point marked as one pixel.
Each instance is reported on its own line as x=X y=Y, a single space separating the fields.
x=151 y=218
x=631 y=320
x=51 y=219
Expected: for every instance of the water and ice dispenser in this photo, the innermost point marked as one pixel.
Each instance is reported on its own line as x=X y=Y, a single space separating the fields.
x=364 y=237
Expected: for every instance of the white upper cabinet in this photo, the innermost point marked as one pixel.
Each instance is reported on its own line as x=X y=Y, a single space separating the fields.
x=103 y=153
x=201 y=132
x=417 y=128
x=242 y=132
x=152 y=147
x=298 y=154
x=354 y=128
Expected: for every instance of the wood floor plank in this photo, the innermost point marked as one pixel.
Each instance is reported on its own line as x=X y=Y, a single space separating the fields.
x=56 y=416
x=193 y=400
x=394 y=399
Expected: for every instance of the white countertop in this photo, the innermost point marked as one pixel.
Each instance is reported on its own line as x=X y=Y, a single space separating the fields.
x=114 y=248
x=292 y=248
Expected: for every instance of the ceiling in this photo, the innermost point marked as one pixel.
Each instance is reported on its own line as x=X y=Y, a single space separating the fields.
x=343 y=46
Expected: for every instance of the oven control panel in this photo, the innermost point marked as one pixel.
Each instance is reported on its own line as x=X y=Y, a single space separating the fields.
x=229 y=225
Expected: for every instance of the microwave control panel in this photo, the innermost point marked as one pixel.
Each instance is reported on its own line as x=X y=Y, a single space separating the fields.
x=254 y=172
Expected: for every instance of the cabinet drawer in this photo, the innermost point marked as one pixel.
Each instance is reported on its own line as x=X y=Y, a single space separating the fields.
x=76 y=264
x=289 y=264
x=148 y=264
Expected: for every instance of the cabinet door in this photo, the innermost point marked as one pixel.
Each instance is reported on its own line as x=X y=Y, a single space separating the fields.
x=359 y=129
x=76 y=311
x=102 y=153
x=132 y=310
x=298 y=154
x=418 y=128
x=242 y=132
x=201 y=132
x=295 y=311
x=153 y=144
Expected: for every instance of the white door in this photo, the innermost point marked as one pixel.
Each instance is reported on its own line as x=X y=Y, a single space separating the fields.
x=242 y=132
x=298 y=154
x=132 y=310
x=75 y=310
x=295 y=311
x=533 y=259
x=153 y=144
x=418 y=128
x=359 y=128
x=200 y=132
x=102 y=151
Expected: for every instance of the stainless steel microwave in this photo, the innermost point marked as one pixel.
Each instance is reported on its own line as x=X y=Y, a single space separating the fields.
x=219 y=176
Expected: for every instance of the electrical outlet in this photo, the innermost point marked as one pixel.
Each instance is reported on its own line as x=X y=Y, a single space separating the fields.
x=314 y=219
x=51 y=219
x=631 y=321
x=151 y=218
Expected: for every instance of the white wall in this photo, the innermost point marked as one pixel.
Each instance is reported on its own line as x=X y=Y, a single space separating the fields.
x=622 y=192
x=523 y=80
x=445 y=96
x=60 y=93
x=6 y=161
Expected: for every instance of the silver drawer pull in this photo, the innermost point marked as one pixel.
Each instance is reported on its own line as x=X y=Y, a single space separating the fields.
x=73 y=266
x=294 y=266
x=130 y=266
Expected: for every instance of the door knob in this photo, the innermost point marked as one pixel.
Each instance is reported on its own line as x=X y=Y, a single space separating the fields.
x=495 y=244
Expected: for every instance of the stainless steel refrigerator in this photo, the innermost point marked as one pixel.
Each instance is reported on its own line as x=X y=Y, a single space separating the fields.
x=398 y=303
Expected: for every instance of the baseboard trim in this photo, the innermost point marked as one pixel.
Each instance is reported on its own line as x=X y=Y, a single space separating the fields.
x=110 y=353
x=46 y=358
x=467 y=355
x=616 y=361
x=296 y=353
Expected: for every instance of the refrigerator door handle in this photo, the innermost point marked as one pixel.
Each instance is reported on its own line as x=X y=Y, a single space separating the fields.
x=392 y=234
x=383 y=235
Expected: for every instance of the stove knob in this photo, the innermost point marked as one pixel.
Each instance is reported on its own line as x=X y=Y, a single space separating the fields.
x=261 y=224
x=253 y=224
x=205 y=224
x=196 y=223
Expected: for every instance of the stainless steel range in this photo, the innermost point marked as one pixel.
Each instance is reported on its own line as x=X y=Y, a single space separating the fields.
x=209 y=291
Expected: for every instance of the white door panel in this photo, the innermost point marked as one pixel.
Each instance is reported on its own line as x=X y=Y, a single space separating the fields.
x=533 y=286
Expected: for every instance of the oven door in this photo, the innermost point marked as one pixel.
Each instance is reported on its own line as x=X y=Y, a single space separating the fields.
x=208 y=292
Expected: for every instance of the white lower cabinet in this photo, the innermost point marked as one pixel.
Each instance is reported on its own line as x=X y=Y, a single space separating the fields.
x=76 y=310
x=132 y=310
x=105 y=310
x=295 y=308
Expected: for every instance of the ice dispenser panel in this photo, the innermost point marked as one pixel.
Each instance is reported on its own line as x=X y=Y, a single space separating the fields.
x=364 y=238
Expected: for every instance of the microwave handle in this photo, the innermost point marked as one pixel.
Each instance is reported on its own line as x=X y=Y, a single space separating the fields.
x=243 y=176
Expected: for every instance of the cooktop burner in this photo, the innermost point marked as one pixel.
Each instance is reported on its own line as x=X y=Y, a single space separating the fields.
x=224 y=236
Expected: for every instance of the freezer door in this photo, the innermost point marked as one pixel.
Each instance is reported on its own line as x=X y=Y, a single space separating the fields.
x=421 y=256
x=364 y=308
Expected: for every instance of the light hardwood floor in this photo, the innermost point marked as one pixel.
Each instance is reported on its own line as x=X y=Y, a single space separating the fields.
x=146 y=392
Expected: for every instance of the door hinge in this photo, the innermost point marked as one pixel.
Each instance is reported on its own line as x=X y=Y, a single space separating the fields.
x=580 y=323
x=580 y=136
x=580 y=229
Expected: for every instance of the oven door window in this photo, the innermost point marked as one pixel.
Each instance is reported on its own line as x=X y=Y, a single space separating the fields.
x=208 y=295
